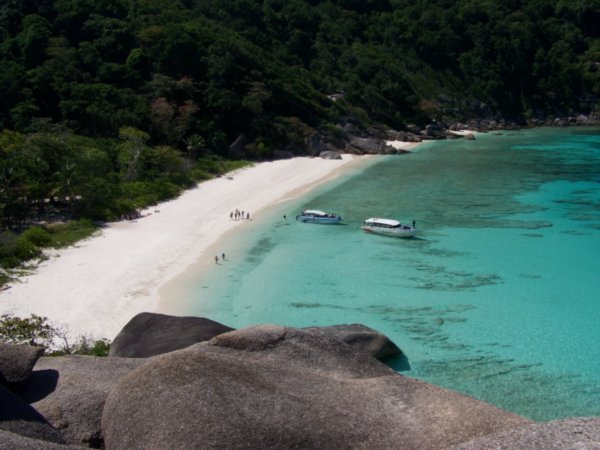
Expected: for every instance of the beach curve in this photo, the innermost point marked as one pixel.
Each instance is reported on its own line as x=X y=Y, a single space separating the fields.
x=94 y=288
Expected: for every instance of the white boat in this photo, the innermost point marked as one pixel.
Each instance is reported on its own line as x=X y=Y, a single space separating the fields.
x=318 y=216
x=389 y=227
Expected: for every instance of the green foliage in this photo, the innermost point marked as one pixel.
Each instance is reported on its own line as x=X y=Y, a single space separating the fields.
x=25 y=247
x=8 y=251
x=85 y=346
x=34 y=330
x=17 y=248
x=37 y=236
x=64 y=234
x=138 y=194
x=218 y=69
x=37 y=331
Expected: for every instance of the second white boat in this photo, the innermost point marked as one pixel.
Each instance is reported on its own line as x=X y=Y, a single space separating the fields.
x=318 y=216
x=389 y=227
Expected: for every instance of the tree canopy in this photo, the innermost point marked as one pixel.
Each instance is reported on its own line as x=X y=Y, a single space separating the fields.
x=110 y=105
x=217 y=69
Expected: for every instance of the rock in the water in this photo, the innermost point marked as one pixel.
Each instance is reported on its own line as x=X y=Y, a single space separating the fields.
x=580 y=433
x=70 y=391
x=149 y=334
x=16 y=362
x=361 y=338
x=278 y=387
x=16 y=416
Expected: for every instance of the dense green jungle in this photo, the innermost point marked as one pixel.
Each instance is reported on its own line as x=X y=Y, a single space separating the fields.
x=108 y=106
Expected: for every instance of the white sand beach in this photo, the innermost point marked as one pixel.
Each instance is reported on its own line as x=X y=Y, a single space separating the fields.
x=94 y=288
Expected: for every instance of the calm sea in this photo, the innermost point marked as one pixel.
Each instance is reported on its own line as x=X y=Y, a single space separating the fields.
x=500 y=296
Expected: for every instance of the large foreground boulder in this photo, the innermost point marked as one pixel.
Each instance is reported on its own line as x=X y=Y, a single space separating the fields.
x=16 y=416
x=15 y=441
x=70 y=391
x=276 y=387
x=361 y=338
x=580 y=433
x=16 y=362
x=149 y=334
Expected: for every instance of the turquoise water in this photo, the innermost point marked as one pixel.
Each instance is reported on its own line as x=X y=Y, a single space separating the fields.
x=499 y=298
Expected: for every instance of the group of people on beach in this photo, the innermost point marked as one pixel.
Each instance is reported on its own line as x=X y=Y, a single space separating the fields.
x=237 y=214
x=234 y=215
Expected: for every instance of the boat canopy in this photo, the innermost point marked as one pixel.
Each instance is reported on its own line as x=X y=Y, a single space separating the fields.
x=314 y=212
x=382 y=222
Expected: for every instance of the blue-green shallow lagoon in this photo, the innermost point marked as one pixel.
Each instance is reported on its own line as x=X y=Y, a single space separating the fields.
x=498 y=299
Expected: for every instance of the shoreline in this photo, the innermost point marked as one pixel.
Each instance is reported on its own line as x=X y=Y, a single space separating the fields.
x=95 y=287
x=173 y=298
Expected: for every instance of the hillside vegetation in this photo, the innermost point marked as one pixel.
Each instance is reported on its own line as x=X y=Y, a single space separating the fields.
x=111 y=105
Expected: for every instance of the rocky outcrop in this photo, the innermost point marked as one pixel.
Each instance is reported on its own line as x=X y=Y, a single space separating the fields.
x=588 y=119
x=330 y=154
x=580 y=433
x=434 y=130
x=149 y=334
x=16 y=363
x=262 y=387
x=395 y=135
x=16 y=416
x=591 y=119
x=378 y=132
x=15 y=441
x=350 y=135
x=369 y=145
x=277 y=387
x=361 y=338
x=70 y=392
x=314 y=144
x=414 y=129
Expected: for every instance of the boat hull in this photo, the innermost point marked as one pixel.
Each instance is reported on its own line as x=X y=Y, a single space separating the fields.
x=322 y=220
x=391 y=232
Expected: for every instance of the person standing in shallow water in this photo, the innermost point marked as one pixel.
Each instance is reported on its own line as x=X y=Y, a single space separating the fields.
x=216 y=260
x=223 y=256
